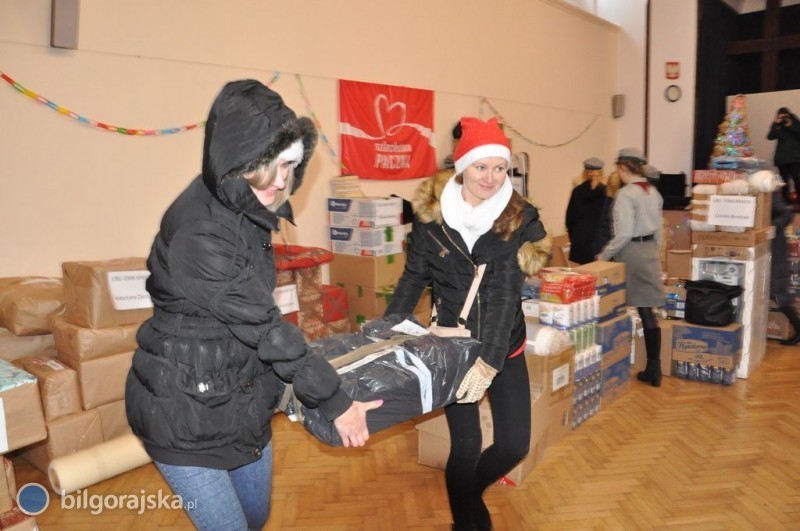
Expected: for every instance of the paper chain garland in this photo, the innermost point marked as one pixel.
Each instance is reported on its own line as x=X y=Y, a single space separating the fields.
x=111 y=128
x=172 y=130
x=516 y=132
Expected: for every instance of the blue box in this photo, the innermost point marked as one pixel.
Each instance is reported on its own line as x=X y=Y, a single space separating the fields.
x=614 y=333
x=718 y=346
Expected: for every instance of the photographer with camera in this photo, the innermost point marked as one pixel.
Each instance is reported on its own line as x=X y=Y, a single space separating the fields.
x=786 y=130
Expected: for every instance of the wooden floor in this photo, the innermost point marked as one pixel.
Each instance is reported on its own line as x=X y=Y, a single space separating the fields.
x=688 y=455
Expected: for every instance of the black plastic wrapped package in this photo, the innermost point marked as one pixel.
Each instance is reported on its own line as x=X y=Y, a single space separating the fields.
x=413 y=375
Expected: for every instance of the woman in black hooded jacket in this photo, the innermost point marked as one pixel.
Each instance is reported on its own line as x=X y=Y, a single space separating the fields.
x=205 y=378
x=463 y=221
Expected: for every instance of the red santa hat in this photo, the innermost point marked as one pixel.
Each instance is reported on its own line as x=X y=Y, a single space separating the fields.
x=480 y=139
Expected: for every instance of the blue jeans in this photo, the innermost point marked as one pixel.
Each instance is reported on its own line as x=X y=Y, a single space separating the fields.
x=235 y=499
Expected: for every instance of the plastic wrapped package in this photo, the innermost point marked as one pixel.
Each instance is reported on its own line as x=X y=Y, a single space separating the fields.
x=412 y=374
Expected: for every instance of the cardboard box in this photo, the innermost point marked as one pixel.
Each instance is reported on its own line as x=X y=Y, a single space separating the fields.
x=113 y=420
x=640 y=354
x=13 y=347
x=560 y=255
x=678 y=229
x=102 y=380
x=679 y=263
x=778 y=326
x=80 y=343
x=367 y=241
x=28 y=305
x=367 y=303
x=21 y=408
x=434 y=439
x=66 y=436
x=8 y=485
x=559 y=415
x=730 y=252
x=716 y=176
x=551 y=375
x=719 y=346
x=748 y=238
x=105 y=293
x=58 y=386
x=365 y=211
x=607 y=273
x=342 y=326
x=611 y=305
x=614 y=333
x=616 y=380
x=371 y=271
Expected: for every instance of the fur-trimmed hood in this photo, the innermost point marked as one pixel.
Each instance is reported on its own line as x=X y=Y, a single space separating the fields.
x=247 y=127
x=532 y=255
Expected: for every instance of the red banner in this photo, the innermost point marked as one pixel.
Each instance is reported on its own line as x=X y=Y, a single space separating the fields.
x=386 y=132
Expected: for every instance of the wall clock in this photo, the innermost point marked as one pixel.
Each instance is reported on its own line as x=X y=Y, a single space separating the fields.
x=673 y=93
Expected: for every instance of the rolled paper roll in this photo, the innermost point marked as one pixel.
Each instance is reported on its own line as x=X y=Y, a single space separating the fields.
x=95 y=464
x=544 y=339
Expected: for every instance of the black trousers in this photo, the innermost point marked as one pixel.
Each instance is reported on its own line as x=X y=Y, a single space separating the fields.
x=790 y=172
x=469 y=471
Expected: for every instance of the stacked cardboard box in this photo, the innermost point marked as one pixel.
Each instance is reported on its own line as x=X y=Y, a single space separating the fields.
x=27 y=305
x=366 y=226
x=105 y=303
x=613 y=328
x=707 y=353
x=369 y=282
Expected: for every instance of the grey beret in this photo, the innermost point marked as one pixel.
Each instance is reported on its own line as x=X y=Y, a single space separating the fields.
x=593 y=164
x=632 y=154
x=651 y=172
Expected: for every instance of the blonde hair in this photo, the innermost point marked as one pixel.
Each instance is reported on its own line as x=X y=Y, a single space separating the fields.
x=263 y=176
x=613 y=185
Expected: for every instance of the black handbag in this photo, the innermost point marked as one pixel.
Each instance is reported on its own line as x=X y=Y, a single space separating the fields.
x=710 y=303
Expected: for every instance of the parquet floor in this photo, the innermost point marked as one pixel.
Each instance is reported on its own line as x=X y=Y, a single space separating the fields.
x=688 y=455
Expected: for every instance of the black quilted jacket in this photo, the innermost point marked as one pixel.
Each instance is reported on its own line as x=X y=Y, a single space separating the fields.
x=438 y=256
x=204 y=380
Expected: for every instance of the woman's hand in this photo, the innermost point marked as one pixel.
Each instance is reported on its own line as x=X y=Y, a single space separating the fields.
x=352 y=424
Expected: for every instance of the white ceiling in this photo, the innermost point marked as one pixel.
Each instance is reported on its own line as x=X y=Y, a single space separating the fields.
x=749 y=6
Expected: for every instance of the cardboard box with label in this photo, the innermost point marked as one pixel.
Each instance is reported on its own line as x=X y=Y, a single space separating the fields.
x=105 y=293
x=616 y=380
x=8 y=485
x=367 y=241
x=610 y=275
x=365 y=211
x=719 y=346
x=552 y=375
x=748 y=238
x=366 y=303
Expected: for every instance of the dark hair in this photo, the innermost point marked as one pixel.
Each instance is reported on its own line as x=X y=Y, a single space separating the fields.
x=784 y=110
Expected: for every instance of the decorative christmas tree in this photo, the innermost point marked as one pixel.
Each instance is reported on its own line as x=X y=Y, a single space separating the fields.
x=733 y=137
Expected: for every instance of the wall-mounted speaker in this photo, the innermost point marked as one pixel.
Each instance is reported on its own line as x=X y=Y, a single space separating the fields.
x=64 y=18
x=618 y=105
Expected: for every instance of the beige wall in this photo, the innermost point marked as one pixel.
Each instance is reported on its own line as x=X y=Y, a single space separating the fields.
x=74 y=192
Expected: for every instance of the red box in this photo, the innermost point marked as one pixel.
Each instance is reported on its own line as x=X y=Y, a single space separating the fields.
x=334 y=303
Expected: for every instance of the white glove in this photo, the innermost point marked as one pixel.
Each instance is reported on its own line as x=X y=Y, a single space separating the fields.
x=475 y=382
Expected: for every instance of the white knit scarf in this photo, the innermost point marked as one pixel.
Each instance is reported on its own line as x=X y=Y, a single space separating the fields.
x=472 y=222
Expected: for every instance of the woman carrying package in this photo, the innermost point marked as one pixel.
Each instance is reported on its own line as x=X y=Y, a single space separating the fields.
x=205 y=378
x=462 y=221
x=637 y=243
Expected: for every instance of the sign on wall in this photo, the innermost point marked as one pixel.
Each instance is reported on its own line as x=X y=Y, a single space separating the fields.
x=386 y=132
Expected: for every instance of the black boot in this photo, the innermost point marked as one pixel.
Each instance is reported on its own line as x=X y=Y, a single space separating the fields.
x=794 y=320
x=652 y=344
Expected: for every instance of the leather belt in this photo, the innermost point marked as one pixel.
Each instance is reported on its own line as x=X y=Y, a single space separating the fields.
x=649 y=237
